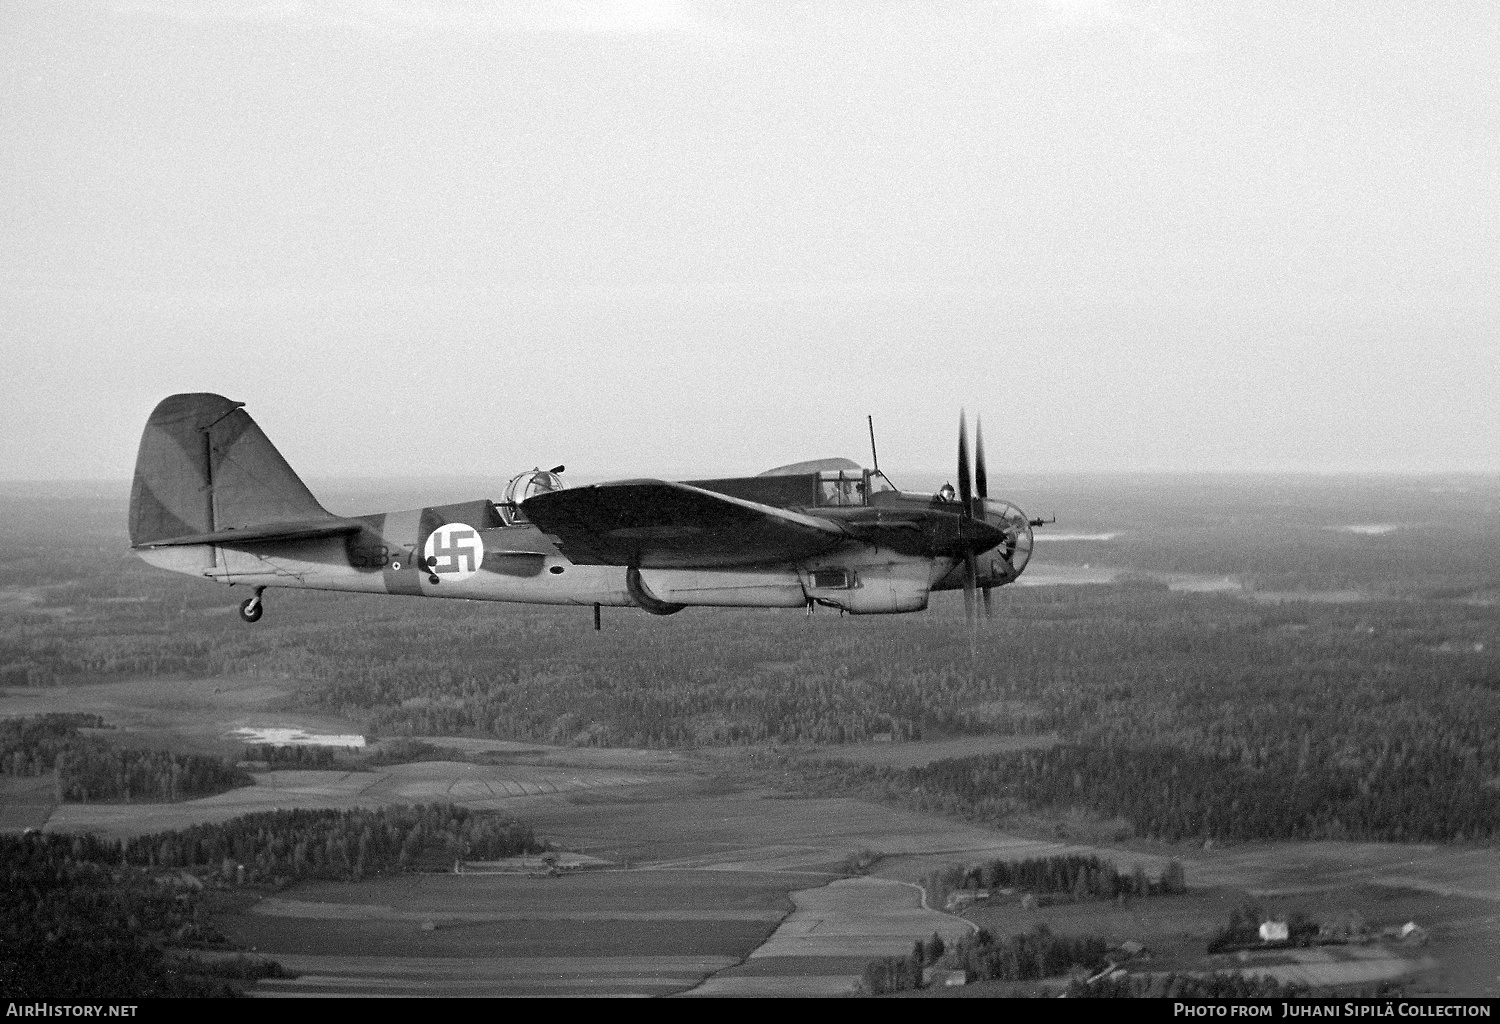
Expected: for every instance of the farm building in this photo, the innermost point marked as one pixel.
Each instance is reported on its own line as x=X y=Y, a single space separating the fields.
x=1274 y=931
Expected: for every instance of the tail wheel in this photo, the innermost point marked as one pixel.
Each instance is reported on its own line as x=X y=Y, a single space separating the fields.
x=251 y=609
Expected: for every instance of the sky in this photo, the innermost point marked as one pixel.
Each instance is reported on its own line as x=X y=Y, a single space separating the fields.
x=649 y=237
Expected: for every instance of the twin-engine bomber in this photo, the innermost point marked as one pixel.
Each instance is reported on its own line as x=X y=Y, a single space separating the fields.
x=212 y=497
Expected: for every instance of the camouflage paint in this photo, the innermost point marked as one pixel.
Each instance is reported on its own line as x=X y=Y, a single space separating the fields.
x=204 y=467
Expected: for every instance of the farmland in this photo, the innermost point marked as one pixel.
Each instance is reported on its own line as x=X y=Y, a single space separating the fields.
x=1336 y=637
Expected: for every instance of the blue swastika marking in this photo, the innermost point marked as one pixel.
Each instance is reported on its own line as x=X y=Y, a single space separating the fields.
x=454 y=550
x=455 y=553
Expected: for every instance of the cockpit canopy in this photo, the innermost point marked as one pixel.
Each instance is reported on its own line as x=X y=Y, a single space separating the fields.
x=841 y=487
x=840 y=482
x=523 y=486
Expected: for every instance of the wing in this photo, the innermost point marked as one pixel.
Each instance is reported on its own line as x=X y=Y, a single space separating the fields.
x=248 y=535
x=658 y=525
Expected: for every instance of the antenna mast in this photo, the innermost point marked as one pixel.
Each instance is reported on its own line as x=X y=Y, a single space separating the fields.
x=873 y=454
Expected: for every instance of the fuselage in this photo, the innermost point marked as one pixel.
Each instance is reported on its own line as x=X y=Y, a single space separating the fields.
x=898 y=549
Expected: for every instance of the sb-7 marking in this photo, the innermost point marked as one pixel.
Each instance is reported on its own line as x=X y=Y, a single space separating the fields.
x=379 y=557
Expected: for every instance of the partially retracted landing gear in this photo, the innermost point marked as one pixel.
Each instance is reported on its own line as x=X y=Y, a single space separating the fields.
x=252 y=608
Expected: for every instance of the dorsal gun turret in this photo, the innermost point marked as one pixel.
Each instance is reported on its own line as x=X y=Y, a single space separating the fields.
x=525 y=485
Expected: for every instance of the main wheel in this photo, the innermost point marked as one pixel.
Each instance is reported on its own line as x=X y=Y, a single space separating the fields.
x=251 y=609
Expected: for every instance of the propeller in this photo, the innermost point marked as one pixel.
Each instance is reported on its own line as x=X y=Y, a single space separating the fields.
x=965 y=490
x=966 y=515
x=972 y=494
x=983 y=524
x=971 y=509
x=981 y=485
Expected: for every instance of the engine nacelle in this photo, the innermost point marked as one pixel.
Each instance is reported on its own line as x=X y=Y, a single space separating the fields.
x=882 y=588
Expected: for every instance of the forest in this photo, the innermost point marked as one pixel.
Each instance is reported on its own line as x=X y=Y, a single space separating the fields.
x=983 y=956
x=1040 y=954
x=1168 y=794
x=283 y=756
x=278 y=846
x=1364 y=706
x=129 y=908
x=90 y=769
x=1216 y=985
x=67 y=904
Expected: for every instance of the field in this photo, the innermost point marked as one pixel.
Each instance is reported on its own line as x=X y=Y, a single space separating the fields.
x=714 y=872
x=684 y=923
x=26 y=802
x=477 y=786
x=1334 y=632
x=912 y=755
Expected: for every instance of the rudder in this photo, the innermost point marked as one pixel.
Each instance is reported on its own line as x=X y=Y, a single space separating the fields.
x=204 y=465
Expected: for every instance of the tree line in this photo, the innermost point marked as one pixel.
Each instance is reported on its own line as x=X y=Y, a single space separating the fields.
x=1075 y=876
x=278 y=846
x=984 y=956
x=78 y=926
x=90 y=770
x=30 y=746
x=1040 y=954
x=82 y=916
x=291 y=755
x=1173 y=985
x=1172 y=795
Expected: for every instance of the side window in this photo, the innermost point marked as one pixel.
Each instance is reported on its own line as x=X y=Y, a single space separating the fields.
x=833 y=579
x=841 y=488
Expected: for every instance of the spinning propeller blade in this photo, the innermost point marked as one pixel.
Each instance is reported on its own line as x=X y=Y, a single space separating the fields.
x=965 y=491
x=971 y=571
x=981 y=487
x=966 y=510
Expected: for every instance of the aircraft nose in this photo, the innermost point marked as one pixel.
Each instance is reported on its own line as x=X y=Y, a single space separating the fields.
x=982 y=535
x=1010 y=553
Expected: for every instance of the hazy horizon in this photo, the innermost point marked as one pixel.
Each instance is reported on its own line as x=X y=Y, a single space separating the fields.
x=673 y=238
x=919 y=480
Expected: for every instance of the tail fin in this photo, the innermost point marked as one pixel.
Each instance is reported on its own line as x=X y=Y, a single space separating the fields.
x=204 y=466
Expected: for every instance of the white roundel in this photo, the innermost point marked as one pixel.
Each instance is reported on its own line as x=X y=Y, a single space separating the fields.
x=453 y=552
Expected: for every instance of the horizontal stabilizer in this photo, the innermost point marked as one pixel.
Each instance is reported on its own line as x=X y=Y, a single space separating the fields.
x=653 y=524
x=204 y=467
x=250 y=535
